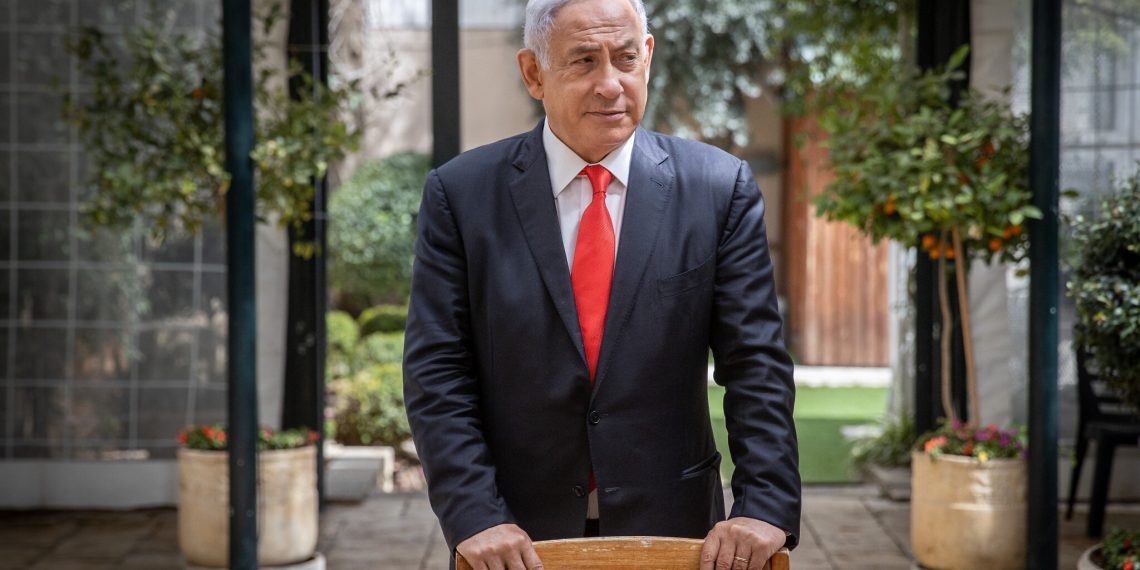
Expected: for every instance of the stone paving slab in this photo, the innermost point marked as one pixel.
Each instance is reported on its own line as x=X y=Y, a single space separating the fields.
x=846 y=527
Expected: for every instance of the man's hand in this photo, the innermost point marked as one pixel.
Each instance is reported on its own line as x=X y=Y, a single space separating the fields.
x=741 y=543
x=503 y=547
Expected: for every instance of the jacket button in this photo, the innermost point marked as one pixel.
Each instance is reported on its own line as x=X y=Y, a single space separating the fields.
x=579 y=491
x=595 y=417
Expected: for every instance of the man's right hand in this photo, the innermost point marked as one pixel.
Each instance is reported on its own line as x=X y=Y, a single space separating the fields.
x=503 y=547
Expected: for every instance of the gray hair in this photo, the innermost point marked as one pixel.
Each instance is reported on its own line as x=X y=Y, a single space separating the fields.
x=540 y=21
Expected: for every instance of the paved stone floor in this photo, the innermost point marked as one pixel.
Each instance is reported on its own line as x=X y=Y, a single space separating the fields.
x=844 y=527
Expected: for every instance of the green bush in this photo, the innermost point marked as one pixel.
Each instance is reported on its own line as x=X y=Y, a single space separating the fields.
x=383 y=319
x=343 y=333
x=891 y=448
x=373 y=228
x=343 y=336
x=379 y=348
x=369 y=407
x=1105 y=285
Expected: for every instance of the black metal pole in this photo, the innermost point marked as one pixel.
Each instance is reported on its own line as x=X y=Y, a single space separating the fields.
x=1044 y=277
x=942 y=27
x=242 y=340
x=304 y=395
x=445 y=80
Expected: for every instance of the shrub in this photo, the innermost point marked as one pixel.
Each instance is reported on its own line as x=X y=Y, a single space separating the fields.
x=1105 y=285
x=379 y=348
x=891 y=448
x=343 y=333
x=373 y=228
x=343 y=336
x=383 y=319
x=369 y=407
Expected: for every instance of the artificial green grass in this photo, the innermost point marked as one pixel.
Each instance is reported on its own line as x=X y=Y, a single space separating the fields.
x=820 y=414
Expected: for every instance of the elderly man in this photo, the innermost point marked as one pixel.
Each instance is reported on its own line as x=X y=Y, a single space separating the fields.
x=568 y=285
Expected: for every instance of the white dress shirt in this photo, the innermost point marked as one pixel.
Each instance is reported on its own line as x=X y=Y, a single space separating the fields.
x=573 y=193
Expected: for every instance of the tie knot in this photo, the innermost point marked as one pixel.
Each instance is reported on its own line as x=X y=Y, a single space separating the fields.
x=599 y=177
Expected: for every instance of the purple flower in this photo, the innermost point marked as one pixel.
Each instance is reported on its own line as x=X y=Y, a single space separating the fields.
x=982 y=435
x=1003 y=440
x=956 y=424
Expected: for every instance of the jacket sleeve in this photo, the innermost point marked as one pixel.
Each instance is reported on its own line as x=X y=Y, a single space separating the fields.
x=753 y=365
x=441 y=386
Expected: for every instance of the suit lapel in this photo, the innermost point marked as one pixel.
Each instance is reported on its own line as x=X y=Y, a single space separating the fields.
x=649 y=192
x=534 y=203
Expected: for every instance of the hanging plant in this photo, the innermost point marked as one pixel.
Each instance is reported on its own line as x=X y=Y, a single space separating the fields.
x=912 y=166
x=153 y=127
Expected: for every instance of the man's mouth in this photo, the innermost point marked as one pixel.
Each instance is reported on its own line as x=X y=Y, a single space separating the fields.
x=616 y=114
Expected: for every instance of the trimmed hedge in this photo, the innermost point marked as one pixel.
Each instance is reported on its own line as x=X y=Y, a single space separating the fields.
x=369 y=407
x=383 y=319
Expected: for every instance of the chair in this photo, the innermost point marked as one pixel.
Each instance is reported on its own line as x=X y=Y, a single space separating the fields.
x=626 y=553
x=1101 y=416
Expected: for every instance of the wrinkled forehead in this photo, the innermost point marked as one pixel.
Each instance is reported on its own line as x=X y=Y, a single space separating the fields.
x=611 y=22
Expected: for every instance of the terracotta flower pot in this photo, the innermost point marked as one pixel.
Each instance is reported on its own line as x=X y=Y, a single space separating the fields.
x=968 y=514
x=287 y=506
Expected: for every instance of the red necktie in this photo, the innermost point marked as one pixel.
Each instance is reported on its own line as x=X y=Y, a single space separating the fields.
x=593 y=267
x=593 y=270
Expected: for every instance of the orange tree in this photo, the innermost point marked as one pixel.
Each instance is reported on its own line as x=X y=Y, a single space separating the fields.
x=913 y=165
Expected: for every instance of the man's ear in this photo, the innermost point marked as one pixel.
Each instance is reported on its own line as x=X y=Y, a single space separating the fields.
x=531 y=72
x=648 y=54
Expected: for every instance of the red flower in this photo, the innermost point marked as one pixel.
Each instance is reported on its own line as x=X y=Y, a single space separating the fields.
x=182 y=437
x=221 y=436
x=935 y=442
x=1127 y=564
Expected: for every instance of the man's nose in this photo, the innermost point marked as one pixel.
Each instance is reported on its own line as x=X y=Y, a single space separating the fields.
x=608 y=85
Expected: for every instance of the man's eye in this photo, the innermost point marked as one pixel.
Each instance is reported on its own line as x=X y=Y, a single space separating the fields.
x=584 y=60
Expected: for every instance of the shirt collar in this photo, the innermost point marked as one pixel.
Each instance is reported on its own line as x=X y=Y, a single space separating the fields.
x=564 y=164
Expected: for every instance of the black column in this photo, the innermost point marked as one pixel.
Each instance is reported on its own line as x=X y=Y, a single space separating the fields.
x=305 y=344
x=943 y=27
x=1044 y=277
x=241 y=355
x=444 y=80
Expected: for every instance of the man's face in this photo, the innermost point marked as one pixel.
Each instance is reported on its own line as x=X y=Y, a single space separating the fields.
x=594 y=89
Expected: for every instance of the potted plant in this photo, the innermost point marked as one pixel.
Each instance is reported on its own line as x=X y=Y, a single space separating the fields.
x=884 y=457
x=1105 y=285
x=913 y=164
x=1120 y=550
x=968 y=506
x=287 y=497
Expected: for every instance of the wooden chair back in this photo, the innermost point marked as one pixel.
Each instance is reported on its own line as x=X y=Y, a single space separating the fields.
x=626 y=553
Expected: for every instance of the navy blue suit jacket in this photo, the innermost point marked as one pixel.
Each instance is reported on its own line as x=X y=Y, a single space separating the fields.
x=495 y=379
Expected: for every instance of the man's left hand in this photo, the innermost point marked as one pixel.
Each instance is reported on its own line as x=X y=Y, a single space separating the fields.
x=741 y=543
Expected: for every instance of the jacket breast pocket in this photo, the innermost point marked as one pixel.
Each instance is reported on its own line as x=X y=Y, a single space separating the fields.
x=688 y=280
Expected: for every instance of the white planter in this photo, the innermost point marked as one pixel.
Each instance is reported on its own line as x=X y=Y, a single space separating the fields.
x=1085 y=562
x=354 y=472
x=968 y=514
x=286 y=513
